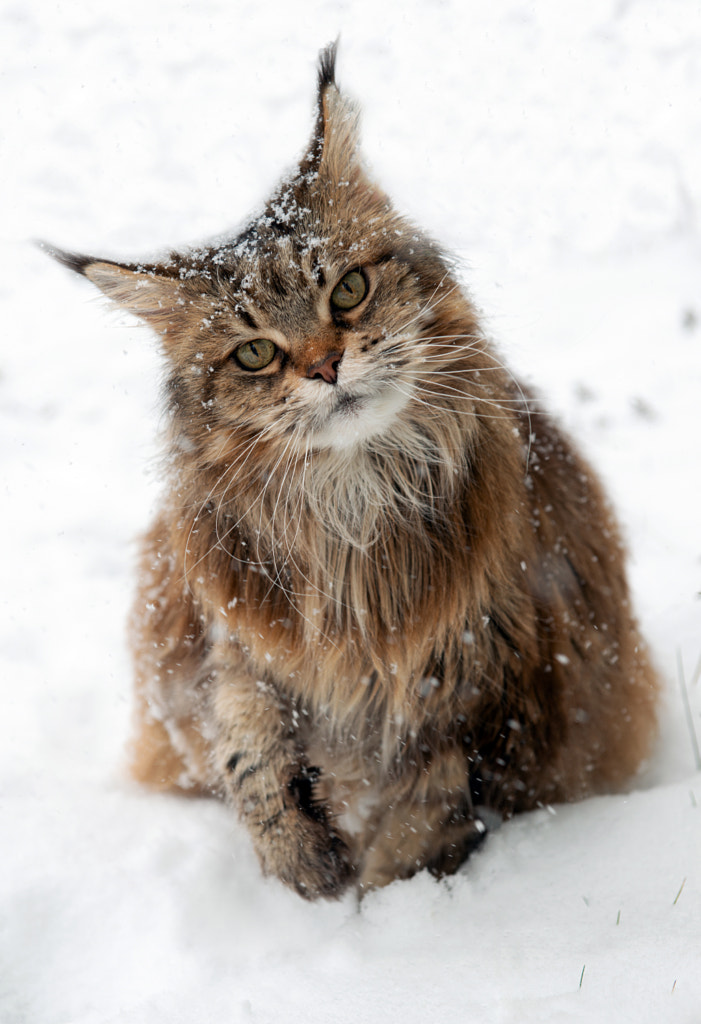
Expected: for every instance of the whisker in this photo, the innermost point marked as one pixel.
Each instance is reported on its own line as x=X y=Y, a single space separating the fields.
x=234 y=471
x=441 y=388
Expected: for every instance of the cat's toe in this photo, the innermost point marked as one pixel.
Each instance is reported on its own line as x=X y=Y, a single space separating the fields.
x=324 y=870
x=459 y=845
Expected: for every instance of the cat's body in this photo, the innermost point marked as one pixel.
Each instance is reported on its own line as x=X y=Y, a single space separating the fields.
x=383 y=592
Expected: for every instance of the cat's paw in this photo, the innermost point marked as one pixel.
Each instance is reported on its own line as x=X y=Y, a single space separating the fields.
x=460 y=842
x=301 y=847
x=318 y=864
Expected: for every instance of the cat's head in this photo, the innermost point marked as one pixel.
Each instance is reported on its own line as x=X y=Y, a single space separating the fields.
x=310 y=330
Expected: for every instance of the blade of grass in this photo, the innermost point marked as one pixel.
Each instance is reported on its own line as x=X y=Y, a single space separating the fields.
x=697 y=672
x=687 y=711
x=674 y=902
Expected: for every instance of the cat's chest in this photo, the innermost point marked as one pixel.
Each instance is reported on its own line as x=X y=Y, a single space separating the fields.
x=351 y=629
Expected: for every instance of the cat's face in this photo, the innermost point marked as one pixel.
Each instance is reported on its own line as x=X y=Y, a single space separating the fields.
x=314 y=329
x=327 y=363
x=311 y=345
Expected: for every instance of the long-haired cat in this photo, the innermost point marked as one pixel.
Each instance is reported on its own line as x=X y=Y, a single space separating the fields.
x=384 y=600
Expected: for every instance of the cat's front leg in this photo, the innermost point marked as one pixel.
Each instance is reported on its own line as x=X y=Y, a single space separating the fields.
x=425 y=820
x=263 y=769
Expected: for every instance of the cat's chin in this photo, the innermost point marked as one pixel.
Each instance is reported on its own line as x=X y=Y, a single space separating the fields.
x=357 y=419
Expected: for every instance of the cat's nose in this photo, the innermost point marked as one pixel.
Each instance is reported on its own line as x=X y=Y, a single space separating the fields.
x=326 y=368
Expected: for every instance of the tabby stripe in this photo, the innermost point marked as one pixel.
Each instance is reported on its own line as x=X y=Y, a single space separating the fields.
x=247 y=774
x=268 y=823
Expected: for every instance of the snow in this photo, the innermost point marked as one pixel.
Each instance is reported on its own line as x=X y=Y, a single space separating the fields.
x=557 y=149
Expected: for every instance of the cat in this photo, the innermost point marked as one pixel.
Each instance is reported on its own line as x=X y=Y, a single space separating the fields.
x=383 y=605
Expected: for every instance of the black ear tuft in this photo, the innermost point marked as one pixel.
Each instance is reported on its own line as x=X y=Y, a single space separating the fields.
x=327 y=65
x=73 y=260
x=326 y=80
x=334 y=141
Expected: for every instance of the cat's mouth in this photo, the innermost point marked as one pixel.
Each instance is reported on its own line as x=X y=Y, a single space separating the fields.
x=349 y=403
x=355 y=417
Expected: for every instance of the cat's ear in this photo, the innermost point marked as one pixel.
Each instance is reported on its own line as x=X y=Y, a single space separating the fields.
x=148 y=291
x=334 y=144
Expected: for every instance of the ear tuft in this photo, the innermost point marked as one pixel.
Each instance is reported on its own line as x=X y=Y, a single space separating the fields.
x=327 y=65
x=73 y=260
x=335 y=137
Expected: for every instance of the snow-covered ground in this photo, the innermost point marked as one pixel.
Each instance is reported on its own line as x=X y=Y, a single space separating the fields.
x=557 y=147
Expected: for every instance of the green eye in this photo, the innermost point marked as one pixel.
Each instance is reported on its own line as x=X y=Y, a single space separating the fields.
x=350 y=291
x=256 y=355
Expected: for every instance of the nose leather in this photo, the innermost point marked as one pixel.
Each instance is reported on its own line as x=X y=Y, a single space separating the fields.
x=326 y=368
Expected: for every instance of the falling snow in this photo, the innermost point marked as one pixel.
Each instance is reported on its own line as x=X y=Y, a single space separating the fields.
x=556 y=149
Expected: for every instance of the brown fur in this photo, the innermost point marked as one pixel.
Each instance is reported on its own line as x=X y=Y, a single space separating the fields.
x=364 y=641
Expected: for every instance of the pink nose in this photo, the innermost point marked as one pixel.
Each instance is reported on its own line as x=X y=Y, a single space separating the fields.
x=327 y=368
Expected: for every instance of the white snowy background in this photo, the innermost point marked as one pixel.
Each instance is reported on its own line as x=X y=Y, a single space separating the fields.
x=556 y=147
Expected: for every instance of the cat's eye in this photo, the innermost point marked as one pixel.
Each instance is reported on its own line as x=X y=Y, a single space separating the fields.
x=350 y=291
x=256 y=355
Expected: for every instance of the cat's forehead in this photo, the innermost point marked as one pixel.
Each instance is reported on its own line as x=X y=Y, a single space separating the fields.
x=267 y=268
x=295 y=243
x=306 y=223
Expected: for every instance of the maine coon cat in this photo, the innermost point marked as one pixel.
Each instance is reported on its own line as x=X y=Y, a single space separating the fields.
x=384 y=599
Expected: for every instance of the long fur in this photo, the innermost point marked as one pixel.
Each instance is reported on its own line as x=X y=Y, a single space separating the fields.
x=377 y=612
